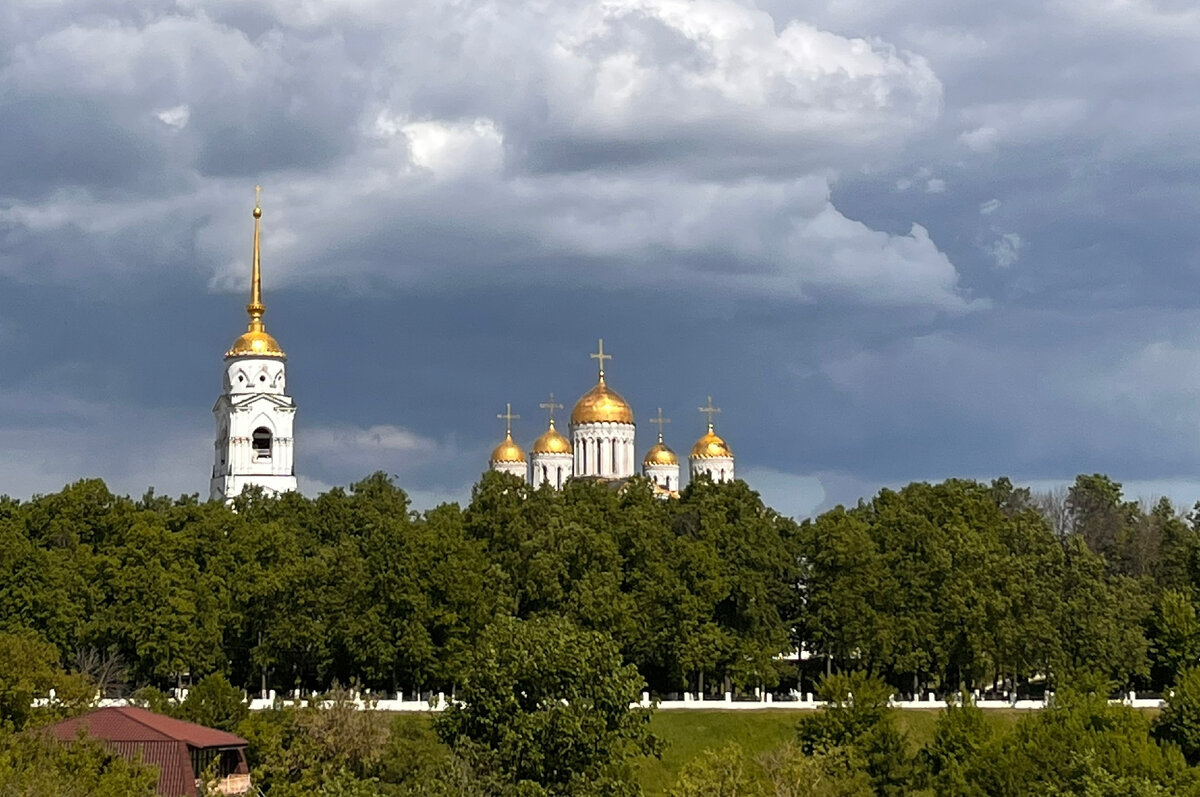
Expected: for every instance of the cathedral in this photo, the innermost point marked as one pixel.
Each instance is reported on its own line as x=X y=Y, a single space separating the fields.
x=601 y=444
x=254 y=416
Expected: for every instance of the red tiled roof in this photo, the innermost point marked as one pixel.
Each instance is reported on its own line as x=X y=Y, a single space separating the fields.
x=128 y=724
x=159 y=741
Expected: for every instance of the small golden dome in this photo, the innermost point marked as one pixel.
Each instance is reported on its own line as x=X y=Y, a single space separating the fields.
x=552 y=442
x=659 y=454
x=710 y=446
x=601 y=405
x=255 y=344
x=508 y=451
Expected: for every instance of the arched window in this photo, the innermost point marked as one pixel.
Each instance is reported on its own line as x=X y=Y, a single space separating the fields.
x=261 y=442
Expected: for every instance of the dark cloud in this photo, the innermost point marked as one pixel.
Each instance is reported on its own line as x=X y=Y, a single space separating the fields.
x=893 y=241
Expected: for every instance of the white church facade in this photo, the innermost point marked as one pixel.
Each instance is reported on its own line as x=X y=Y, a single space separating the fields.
x=602 y=445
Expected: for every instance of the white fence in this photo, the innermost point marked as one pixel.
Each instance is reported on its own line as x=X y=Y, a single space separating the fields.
x=690 y=702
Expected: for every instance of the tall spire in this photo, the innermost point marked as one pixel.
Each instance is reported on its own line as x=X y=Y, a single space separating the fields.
x=256 y=307
x=255 y=342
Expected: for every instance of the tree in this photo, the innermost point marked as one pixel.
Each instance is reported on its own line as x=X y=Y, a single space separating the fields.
x=717 y=773
x=1098 y=512
x=1082 y=745
x=35 y=765
x=857 y=719
x=216 y=703
x=1179 y=721
x=831 y=772
x=1175 y=636
x=949 y=761
x=546 y=710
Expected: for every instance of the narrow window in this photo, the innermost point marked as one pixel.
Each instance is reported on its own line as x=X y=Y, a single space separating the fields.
x=261 y=442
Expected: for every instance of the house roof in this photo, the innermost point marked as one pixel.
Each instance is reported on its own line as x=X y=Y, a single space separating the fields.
x=129 y=724
x=159 y=741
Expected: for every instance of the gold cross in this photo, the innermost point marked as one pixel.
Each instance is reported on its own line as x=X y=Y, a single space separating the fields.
x=551 y=406
x=257 y=195
x=601 y=356
x=710 y=411
x=660 y=420
x=508 y=419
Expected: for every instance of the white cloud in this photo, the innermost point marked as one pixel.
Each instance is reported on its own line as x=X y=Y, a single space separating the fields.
x=176 y=117
x=935 y=185
x=697 y=137
x=1006 y=249
x=989 y=207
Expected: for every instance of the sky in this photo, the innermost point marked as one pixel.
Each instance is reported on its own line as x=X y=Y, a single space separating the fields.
x=894 y=241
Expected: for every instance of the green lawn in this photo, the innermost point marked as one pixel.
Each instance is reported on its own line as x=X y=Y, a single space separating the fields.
x=690 y=733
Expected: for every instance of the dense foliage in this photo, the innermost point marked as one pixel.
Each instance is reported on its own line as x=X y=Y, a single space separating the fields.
x=948 y=587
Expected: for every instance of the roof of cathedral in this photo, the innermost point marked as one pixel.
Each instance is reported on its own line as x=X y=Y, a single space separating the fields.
x=551 y=442
x=601 y=404
x=710 y=445
x=660 y=454
x=255 y=342
x=508 y=451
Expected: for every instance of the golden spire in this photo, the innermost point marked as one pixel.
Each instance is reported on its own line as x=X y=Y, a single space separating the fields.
x=551 y=406
x=710 y=411
x=256 y=307
x=601 y=356
x=660 y=420
x=256 y=342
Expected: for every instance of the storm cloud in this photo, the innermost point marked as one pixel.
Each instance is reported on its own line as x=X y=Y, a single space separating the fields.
x=893 y=241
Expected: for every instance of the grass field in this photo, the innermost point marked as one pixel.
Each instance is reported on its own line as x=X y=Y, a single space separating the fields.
x=689 y=733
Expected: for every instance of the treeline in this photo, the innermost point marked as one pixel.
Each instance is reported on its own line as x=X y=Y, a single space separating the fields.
x=947 y=586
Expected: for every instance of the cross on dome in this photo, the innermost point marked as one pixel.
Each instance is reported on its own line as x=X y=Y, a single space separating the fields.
x=601 y=356
x=508 y=418
x=710 y=411
x=551 y=406
x=659 y=420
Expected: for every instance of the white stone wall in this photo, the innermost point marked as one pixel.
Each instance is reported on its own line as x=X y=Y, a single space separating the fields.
x=604 y=449
x=663 y=475
x=254 y=398
x=552 y=469
x=518 y=469
x=719 y=469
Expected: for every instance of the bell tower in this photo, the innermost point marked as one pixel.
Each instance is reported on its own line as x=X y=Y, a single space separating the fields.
x=254 y=413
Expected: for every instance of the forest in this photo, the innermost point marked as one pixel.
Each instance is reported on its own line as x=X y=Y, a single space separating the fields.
x=954 y=587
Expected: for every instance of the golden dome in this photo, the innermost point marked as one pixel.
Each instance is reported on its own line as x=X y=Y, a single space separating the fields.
x=600 y=405
x=659 y=454
x=508 y=451
x=710 y=446
x=552 y=442
x=255 y=344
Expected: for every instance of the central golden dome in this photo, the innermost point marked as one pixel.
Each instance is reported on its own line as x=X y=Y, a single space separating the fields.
x=711 y=445
x=552 y=442
x=508 y=451
x=659 y=454
x=601 y=405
